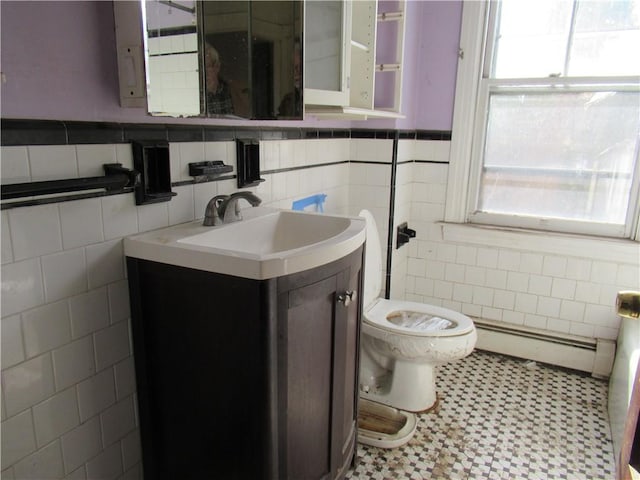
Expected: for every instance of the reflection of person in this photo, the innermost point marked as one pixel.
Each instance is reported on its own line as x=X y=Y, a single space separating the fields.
x=218 y=93
x=291 y=104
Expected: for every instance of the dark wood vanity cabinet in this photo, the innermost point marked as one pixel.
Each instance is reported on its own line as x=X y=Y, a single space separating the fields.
x=246 y=379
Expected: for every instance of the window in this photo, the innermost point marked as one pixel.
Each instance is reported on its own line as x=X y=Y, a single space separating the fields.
x=556 y=106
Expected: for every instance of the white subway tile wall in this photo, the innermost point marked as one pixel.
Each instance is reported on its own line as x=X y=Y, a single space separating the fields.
x=68 y=380
x=52 y=162
x=46 y=328
x=369 y=186
x=38 y=232
x=15 y=165
x=520 y=286
x=81 y=223
x=401 y=214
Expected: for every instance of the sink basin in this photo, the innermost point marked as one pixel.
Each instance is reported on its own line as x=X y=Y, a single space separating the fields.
x=268 y=243
x=269 y=234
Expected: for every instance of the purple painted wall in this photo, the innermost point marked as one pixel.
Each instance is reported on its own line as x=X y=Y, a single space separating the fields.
x=432 y=39
x=437 y=62
x=59 y=62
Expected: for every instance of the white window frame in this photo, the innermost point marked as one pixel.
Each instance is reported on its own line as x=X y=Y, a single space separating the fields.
x=467 y=146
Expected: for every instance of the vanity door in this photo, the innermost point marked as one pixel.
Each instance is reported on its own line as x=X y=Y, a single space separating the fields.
x=318 y=347
x=348 y=313
x=305 y=368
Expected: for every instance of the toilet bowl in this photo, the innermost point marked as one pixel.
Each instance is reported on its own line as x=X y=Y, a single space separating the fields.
x=403 y=341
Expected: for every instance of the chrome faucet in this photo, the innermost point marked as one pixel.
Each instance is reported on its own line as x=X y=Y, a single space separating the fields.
x=225 y=208
x=212 y=212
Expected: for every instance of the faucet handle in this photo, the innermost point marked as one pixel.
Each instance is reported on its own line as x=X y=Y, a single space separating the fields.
x=234 y=214
x=212 y=212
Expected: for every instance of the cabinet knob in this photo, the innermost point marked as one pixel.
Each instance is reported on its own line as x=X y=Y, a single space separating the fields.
x=347 y=297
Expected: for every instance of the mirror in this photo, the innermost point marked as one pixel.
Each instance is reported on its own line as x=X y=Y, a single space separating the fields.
x=171 y=58
x=224 y=59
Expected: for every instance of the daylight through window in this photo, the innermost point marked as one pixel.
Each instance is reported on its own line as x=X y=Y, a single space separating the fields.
x=559 y=117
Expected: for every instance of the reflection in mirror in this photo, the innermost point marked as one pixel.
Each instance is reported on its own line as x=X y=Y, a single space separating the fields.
x=171 y=54
x=229 y=59
x=256 y=45
x=226 y=34
x=276 y=42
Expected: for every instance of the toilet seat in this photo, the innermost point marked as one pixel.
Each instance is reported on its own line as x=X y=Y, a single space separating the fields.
x=377 y=315
x=377 y=310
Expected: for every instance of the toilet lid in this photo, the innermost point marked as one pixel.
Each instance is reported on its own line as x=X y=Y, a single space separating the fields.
x=372 y=261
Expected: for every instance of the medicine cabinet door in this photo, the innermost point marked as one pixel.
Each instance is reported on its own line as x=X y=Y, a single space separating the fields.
x=327 y=52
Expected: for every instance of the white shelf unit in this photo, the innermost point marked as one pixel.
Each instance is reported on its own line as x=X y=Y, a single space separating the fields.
x=391 y=71
x=363 y=53
x=365 y=69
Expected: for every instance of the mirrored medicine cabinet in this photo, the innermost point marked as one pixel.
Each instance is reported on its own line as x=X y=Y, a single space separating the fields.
x=224 y=59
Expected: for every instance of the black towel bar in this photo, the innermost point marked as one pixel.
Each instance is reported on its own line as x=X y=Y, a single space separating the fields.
x=116 y=178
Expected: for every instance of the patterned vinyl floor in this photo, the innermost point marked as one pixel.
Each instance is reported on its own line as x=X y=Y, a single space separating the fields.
x=503 y=418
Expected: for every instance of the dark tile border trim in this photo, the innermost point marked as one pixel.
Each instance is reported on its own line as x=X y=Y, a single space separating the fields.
x=33 y=132
x=371 y=162
x=18 y=132
x=406 y=135
x=442 y=135
x=303 y=167
x=21 y=132
x=392 y=215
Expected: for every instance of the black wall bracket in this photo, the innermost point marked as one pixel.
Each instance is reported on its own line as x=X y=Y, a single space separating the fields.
x=248 y=162
x=151 y=159
x=404 y=233
x=209 y=168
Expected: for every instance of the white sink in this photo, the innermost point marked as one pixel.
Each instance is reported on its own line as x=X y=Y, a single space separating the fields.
x=268 y=243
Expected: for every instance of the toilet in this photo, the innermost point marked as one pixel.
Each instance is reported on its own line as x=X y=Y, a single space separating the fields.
x=401 y=343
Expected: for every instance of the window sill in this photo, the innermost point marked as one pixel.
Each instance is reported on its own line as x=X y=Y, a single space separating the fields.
x=606 y=249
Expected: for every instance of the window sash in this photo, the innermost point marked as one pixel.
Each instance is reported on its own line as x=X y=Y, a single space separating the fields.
x=487 y=86
x=573 y=36
x=559 y=84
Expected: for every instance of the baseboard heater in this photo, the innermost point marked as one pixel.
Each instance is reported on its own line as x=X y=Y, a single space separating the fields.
x=591 y=355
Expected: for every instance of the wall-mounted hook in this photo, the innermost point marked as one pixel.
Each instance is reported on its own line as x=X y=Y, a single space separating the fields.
x=404 y=233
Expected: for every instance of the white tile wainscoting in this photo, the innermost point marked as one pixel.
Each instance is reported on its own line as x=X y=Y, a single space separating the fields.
x=68 y=381
x=525 y=283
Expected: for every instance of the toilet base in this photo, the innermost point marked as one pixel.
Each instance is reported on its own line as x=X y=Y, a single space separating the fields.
x=384 y=427
x=409 y=386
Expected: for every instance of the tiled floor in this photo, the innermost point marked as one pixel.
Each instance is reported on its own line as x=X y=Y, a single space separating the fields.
x=503 y=418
